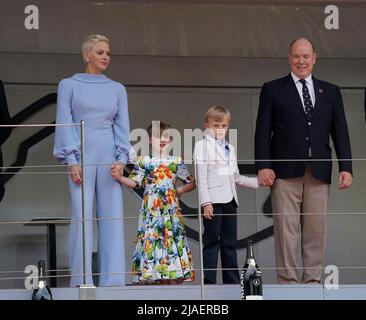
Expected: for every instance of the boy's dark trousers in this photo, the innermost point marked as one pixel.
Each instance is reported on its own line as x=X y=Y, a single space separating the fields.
x=220 y=234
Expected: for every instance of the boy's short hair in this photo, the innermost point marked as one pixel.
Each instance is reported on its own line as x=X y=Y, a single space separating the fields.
x=163 y=126
x=217 y=113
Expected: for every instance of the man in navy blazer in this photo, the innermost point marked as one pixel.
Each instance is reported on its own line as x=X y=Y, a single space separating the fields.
x=4 y=131
x=297 y=115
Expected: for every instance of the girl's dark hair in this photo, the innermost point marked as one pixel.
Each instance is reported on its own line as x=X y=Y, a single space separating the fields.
x=163 y=126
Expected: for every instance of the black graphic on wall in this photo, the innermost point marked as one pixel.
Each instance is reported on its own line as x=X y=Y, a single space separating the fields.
x=33 y=139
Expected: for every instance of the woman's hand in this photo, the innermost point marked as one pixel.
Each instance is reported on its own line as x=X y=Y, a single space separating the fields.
x=75 y=173
x=117 y=169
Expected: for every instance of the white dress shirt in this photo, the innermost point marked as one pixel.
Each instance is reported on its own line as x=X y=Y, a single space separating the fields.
x=224 y=145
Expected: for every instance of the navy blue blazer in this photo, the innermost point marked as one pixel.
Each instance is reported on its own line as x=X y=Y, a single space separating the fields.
x=283 y=131
x=4 y=132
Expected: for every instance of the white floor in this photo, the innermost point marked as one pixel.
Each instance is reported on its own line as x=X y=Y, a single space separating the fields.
x=193 y=292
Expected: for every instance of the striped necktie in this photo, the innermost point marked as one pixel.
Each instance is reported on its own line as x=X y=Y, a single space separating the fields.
x=307 y=99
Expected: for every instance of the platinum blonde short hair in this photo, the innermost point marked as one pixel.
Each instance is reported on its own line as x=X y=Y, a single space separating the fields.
x=92 y=40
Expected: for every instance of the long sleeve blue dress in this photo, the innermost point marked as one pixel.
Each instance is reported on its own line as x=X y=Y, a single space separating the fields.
x=102 y=104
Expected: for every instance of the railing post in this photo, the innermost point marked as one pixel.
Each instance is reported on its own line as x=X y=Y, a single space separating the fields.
x=200 y=234
x=82 y=144
x=87 y=292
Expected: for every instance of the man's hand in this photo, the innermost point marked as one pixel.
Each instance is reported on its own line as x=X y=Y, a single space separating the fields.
x=345 y=180
x=117 y=169
x=266 y=177
x=75 y=173
x=208 y=211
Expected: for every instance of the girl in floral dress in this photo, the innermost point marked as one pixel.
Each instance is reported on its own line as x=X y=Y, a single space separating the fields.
x=162 y=255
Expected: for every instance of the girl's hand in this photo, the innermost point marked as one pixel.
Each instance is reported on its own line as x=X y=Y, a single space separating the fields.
x=75 y=173
x=180 y=192
x=185 y=188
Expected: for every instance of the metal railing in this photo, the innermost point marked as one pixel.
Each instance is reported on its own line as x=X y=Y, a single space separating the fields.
x=84 y=220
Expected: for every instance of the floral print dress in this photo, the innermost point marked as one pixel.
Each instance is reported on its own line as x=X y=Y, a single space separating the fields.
x=162 y=250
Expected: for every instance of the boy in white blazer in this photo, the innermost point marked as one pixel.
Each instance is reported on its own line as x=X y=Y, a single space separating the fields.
x=217 y=176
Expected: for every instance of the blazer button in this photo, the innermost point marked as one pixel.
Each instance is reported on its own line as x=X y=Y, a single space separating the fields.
x=309 y=123
x=307 y=138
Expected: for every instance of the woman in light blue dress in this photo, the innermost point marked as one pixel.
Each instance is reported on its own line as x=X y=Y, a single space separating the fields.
x=102 y=104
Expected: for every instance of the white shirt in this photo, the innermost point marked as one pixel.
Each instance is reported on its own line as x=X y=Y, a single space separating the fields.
x=224 y=145
x=309 y=84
